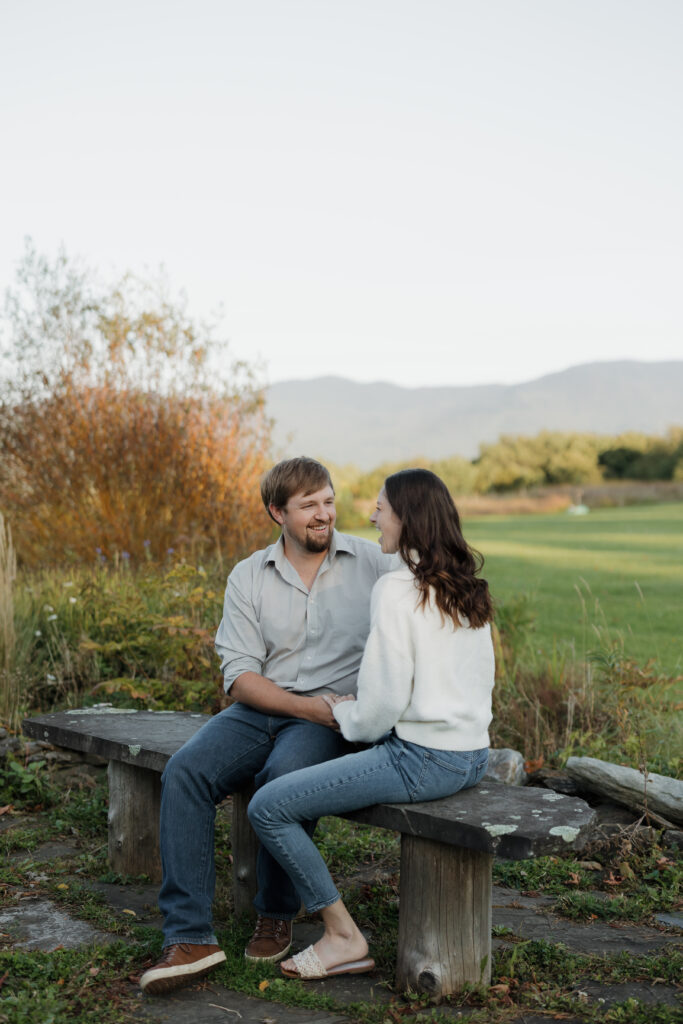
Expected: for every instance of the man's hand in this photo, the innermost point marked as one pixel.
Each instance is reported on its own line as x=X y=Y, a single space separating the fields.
x=263 y=694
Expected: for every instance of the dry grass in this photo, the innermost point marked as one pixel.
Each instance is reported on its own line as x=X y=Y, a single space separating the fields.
x=550 y=706
x=8 y=574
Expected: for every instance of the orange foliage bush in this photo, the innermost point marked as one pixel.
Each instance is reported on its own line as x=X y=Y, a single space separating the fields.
x=124 y=471
x=114 y=440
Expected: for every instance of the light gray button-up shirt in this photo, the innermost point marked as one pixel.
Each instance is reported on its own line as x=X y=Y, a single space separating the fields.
x=309 y=641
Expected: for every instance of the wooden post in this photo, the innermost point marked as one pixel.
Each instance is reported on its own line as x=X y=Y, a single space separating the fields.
x=134 y=804
x=245 y=847
x=444 y=927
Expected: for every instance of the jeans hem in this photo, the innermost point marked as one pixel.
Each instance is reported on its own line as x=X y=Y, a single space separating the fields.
x=275 y=915
x=322 y=905
x=191 y=940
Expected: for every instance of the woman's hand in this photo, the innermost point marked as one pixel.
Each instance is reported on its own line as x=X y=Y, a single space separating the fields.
x=334 y=698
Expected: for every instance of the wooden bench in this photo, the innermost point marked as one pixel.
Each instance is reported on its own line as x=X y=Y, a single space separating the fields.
x=447 y=846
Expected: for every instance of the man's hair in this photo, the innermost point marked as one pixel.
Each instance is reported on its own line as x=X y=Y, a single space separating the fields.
x=293 y=476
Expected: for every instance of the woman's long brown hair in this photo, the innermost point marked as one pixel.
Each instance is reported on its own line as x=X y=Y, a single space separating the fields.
x=432 y=545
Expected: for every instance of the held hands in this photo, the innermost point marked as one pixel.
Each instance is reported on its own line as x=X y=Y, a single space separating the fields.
x=319 y=709
x=333 y=698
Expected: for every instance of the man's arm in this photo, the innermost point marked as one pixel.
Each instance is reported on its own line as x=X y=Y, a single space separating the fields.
x=265 y=695
x=240 y=644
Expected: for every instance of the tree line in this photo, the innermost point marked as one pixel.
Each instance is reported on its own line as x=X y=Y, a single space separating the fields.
x=550 y=458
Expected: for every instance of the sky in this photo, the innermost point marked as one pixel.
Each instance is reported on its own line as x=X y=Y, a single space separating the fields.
x=426 y=192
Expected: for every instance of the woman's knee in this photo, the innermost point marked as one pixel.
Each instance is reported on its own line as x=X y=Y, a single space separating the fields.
x=256 y=811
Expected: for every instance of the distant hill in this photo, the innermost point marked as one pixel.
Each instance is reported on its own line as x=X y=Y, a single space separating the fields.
x=345 y=421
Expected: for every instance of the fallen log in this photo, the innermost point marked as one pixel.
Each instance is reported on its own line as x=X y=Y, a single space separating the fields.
x=657 y=795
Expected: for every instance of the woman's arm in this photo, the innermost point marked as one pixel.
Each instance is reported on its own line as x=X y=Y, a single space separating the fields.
x=385 y=679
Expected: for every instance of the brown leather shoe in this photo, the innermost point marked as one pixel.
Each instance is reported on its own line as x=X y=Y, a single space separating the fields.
x=180 y=965
x=272 y=939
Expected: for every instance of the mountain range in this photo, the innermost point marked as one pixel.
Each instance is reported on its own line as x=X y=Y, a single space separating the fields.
x=345 y=421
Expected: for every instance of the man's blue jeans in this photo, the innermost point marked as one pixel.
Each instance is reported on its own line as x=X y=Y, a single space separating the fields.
x=236 y=747
x=393 y=771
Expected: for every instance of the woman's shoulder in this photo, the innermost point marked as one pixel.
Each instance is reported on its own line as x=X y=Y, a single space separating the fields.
x=394 y=586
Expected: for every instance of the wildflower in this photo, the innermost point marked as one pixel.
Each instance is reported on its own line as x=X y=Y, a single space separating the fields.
x=51 y=678
x=68 y=583
x=37 y=633
x=146 y=543
x=125 y=555
x=170 y=551
x=51 y=618
x=48 y=608
x=72 y=600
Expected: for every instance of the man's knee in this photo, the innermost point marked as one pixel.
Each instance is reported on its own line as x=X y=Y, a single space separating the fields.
x=178 y=768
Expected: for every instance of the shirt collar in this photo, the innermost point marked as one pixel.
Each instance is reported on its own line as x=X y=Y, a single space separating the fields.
x=340 y=542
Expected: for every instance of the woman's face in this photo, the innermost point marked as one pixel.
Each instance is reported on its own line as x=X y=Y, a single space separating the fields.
x=388 y=523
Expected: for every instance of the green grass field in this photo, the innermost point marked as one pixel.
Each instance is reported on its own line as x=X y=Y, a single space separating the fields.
x=618 y=569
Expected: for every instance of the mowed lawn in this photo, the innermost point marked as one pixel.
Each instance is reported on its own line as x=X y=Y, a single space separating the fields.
x=620 y=569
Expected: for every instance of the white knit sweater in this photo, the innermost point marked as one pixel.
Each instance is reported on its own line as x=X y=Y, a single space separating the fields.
x=421 y=675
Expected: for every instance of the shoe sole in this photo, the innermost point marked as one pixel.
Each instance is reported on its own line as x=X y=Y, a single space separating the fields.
x=168 y=978
x=353 y=967
x=268 y=959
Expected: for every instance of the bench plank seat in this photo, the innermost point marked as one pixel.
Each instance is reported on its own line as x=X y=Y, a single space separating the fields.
x=447 y=846
x=146 y=739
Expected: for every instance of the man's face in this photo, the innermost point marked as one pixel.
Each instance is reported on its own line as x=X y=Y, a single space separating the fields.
x=307 y=520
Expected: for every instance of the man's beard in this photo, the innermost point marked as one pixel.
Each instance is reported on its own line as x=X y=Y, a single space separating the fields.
x=317 y=544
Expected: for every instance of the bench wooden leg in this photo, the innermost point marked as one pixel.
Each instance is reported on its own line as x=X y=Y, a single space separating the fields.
x=444 y=928
x=134 y=803
x=245 y=846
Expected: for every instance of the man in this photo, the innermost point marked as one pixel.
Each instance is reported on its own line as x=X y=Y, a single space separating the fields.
x=295 y=620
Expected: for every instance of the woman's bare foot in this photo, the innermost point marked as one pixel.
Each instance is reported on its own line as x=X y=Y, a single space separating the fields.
x=342 y=942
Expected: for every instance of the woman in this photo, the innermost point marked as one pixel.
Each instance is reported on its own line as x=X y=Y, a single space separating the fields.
x=424 y=699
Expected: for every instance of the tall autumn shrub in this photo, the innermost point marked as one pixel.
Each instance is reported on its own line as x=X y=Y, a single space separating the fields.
x=116 y=438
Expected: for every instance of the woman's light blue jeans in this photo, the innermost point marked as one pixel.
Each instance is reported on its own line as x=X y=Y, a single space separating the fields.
x=393 y=771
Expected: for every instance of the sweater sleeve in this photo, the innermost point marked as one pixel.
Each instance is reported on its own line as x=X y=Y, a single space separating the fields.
x=385 y=678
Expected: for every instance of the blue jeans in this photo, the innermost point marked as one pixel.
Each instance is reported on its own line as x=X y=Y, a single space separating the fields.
x=393 y=771
x=236 y=747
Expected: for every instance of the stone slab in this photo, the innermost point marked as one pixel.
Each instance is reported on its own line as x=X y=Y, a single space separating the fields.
x=532 y=918
x=45 y=852
x=512 y=822
x=650 y=995
x=42 y=925
x=141 y=899
x=209 y=1003
x=143 y=738
x=672 y=920
x=16 y=819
